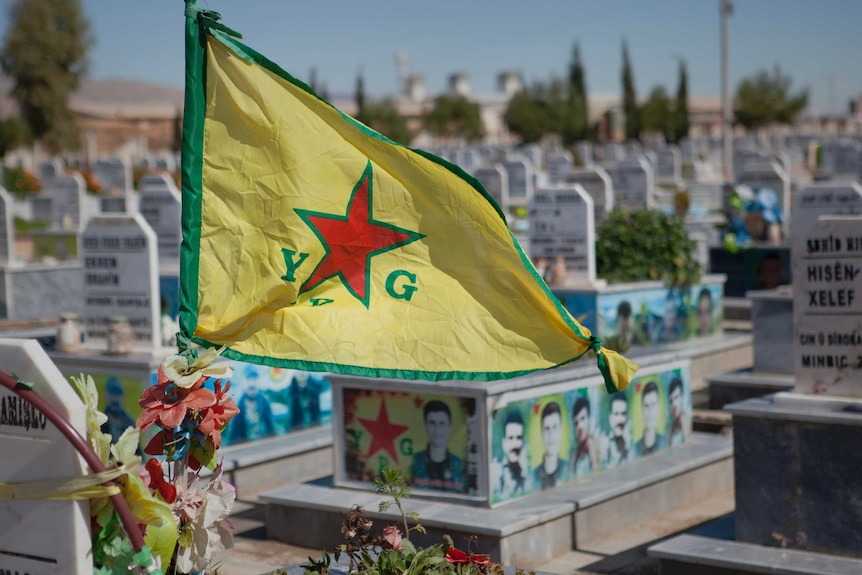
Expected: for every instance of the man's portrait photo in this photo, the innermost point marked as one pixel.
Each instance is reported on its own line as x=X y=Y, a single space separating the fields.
x=552 y=470
x=436 y=467
x=616 y=445
x=586 y=457
x=510 y=474
x=651 y=440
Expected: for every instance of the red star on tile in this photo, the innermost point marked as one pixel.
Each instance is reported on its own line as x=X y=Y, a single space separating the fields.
x=383 y=432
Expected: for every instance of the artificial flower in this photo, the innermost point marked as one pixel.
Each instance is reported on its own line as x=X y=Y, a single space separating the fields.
x=391 y=538
x=167 y=404
x=215 y=417
x=181 y=373
x=166 y=489
x=210 y=527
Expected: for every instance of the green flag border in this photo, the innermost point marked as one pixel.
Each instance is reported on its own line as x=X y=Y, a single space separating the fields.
x=197 y=28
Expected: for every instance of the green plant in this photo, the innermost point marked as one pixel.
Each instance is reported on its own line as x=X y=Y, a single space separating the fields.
x=645 y=245
x=390 y=554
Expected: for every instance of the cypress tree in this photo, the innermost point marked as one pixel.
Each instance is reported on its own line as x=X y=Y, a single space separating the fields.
x=630 y=101
x=680 y=113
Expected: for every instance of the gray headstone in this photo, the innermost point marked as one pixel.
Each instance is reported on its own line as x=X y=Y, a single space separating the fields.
x=161 y=206
x=634 y=184
x=67 y=199
x=560 y=165
x=40 y=536
x=822 y=200
x=597 y=183
x=744 y=157
x=562 y=224
x=842 y=160
x=121 y=277
x=704 y=198
x=470 y=160
x=166 y=163
x=114 y=175
x=827 y=307
x=521 y=180
x=584 y=150
x=495 y=180
x=668 y=165
x=770 y=175
x=612 y=153
x=534 y=154
x=49 y=170
x=6 y=226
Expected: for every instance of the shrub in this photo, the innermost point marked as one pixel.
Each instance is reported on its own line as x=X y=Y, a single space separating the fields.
x=645 y=245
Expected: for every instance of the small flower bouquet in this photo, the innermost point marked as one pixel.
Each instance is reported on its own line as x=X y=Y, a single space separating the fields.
x=391 y=552
x=184 y=516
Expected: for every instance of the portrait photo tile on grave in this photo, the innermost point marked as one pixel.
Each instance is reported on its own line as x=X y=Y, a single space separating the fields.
x=40 y=536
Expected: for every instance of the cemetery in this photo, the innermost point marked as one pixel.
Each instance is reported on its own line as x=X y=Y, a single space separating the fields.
x=117 y=294
x=610 y=347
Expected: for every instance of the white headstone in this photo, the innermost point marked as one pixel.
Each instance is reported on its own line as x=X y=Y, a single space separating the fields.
x=827 y=307
x=559 y=166
x=634 y=184
x=562 y=224
x=521 y=180
x=769 y=174
x=668 y=165
x=495 y=180
x=597 y=183
x=121 y=278
x=822 y=200
x=161 y=206
x=40 y=536
x=6 y=226
x=67 y=202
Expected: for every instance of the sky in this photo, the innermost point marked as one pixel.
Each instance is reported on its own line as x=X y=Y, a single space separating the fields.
x=817 y=42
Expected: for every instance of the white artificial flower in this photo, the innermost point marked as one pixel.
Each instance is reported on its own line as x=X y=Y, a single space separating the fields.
x=177 y=369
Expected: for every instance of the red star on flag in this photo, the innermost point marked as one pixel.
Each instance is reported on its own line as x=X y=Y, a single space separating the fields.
x=383 y=432
x=352 y=240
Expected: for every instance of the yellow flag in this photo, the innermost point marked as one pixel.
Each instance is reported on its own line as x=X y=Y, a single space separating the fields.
x=312 y=242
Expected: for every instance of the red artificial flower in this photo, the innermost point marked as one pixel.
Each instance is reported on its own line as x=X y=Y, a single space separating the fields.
x=169 y=408
x=157 y=480
x=216 y=416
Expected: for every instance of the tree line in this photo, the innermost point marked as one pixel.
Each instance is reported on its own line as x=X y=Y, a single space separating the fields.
x=45 y=46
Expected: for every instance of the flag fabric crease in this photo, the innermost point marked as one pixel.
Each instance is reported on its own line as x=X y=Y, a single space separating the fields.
x=312 y=242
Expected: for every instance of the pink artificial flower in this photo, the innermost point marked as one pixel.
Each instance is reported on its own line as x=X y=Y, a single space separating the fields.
x=391 y=538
